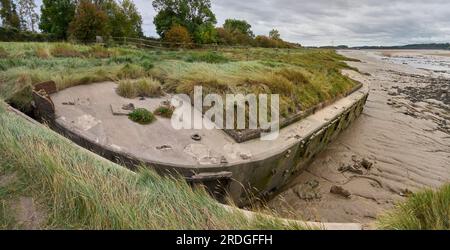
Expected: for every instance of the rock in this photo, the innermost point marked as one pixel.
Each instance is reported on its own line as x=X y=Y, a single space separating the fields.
x=366 y=164
x=313 y=184
x=164 y=147
x=340 y=191
x=129 y=107
x=223 y=160
x=245 y=156
x=353 y=169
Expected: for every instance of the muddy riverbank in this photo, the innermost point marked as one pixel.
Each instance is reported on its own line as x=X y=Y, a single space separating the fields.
x=399 y=145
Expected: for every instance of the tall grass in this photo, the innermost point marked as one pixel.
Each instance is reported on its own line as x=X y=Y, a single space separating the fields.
x=82 y=191
x=302 y=77
x=426 y=210
x=144 y=87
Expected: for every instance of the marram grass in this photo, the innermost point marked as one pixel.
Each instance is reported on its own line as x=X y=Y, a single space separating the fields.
x=82 y=191
x=426 y=210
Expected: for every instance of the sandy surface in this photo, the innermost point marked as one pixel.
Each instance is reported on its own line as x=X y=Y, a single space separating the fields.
x=399 y=145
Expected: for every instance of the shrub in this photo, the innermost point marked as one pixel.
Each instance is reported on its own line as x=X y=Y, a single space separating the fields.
x=165 y=111
x=178 y=36
x=9 y=34
x=89 y=21
x=142 y=116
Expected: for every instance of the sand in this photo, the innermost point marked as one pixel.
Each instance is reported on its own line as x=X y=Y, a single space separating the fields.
x=403 y=138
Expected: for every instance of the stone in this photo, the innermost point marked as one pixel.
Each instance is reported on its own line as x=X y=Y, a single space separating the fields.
x=340 y=191
x=245 y=156
x=164 y=147
x=129 y=107
x=366 y=164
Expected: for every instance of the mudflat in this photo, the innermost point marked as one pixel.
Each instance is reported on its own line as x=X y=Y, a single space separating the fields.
x=399 y=145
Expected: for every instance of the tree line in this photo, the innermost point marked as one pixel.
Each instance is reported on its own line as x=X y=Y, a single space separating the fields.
x=176 y=22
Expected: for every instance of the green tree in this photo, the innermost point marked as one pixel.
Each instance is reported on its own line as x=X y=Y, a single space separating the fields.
x=124 y=18
x=8 y=13
x=242 y=26
x=275 y=34
x=206 y=34
x=89 y=21
x=195 y=15
x=27 y=12
x=56 y=16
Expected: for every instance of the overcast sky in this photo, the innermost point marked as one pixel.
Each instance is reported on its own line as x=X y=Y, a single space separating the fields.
x=334 y=22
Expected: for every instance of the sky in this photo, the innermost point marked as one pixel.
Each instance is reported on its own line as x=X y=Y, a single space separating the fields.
x=333 y=22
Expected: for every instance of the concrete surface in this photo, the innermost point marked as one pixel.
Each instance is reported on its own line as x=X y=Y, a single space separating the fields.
x=258 y=167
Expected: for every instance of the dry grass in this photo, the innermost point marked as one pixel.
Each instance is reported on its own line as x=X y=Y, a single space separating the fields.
x=65 y=50
x=3 y=53
x=144 y=87
x=43 y=53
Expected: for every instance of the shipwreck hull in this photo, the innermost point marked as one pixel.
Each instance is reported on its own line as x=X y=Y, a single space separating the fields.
x=261 y=176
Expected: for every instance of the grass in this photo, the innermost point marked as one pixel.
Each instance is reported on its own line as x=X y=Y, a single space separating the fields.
x=207 y=57
x=142 y=116
x=144 y=87
x=164 y=111
x=302 y=77
x=79 y=190
x=426 y=210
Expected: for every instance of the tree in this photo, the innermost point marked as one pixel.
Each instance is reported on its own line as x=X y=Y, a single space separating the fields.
x=192 y=14
x=242 y=26
x=124 y=18
x=177 y=35
x=206 y=34
x=56 y=16
x=89 y=21
x=275 y=34
x=27 y=12
x=8 y=13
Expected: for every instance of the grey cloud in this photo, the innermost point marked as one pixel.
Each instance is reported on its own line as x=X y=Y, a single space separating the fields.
x=323 y=22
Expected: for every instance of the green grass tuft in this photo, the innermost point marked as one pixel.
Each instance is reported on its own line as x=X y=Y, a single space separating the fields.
x=426 y=210
x=207 y=57
x=142 y=116
x=164 y=111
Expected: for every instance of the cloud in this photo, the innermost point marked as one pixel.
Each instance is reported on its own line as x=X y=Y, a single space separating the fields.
x=326 y=22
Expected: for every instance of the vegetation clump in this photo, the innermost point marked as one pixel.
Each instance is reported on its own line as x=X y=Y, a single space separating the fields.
x=177 y=36
x=65 y=50
x=43 y=53
x=426 y=210
x=3 y=53
x=207 y=57
x=164 y=111
x=142 y=116
x=131 y=71
x=144 y=87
